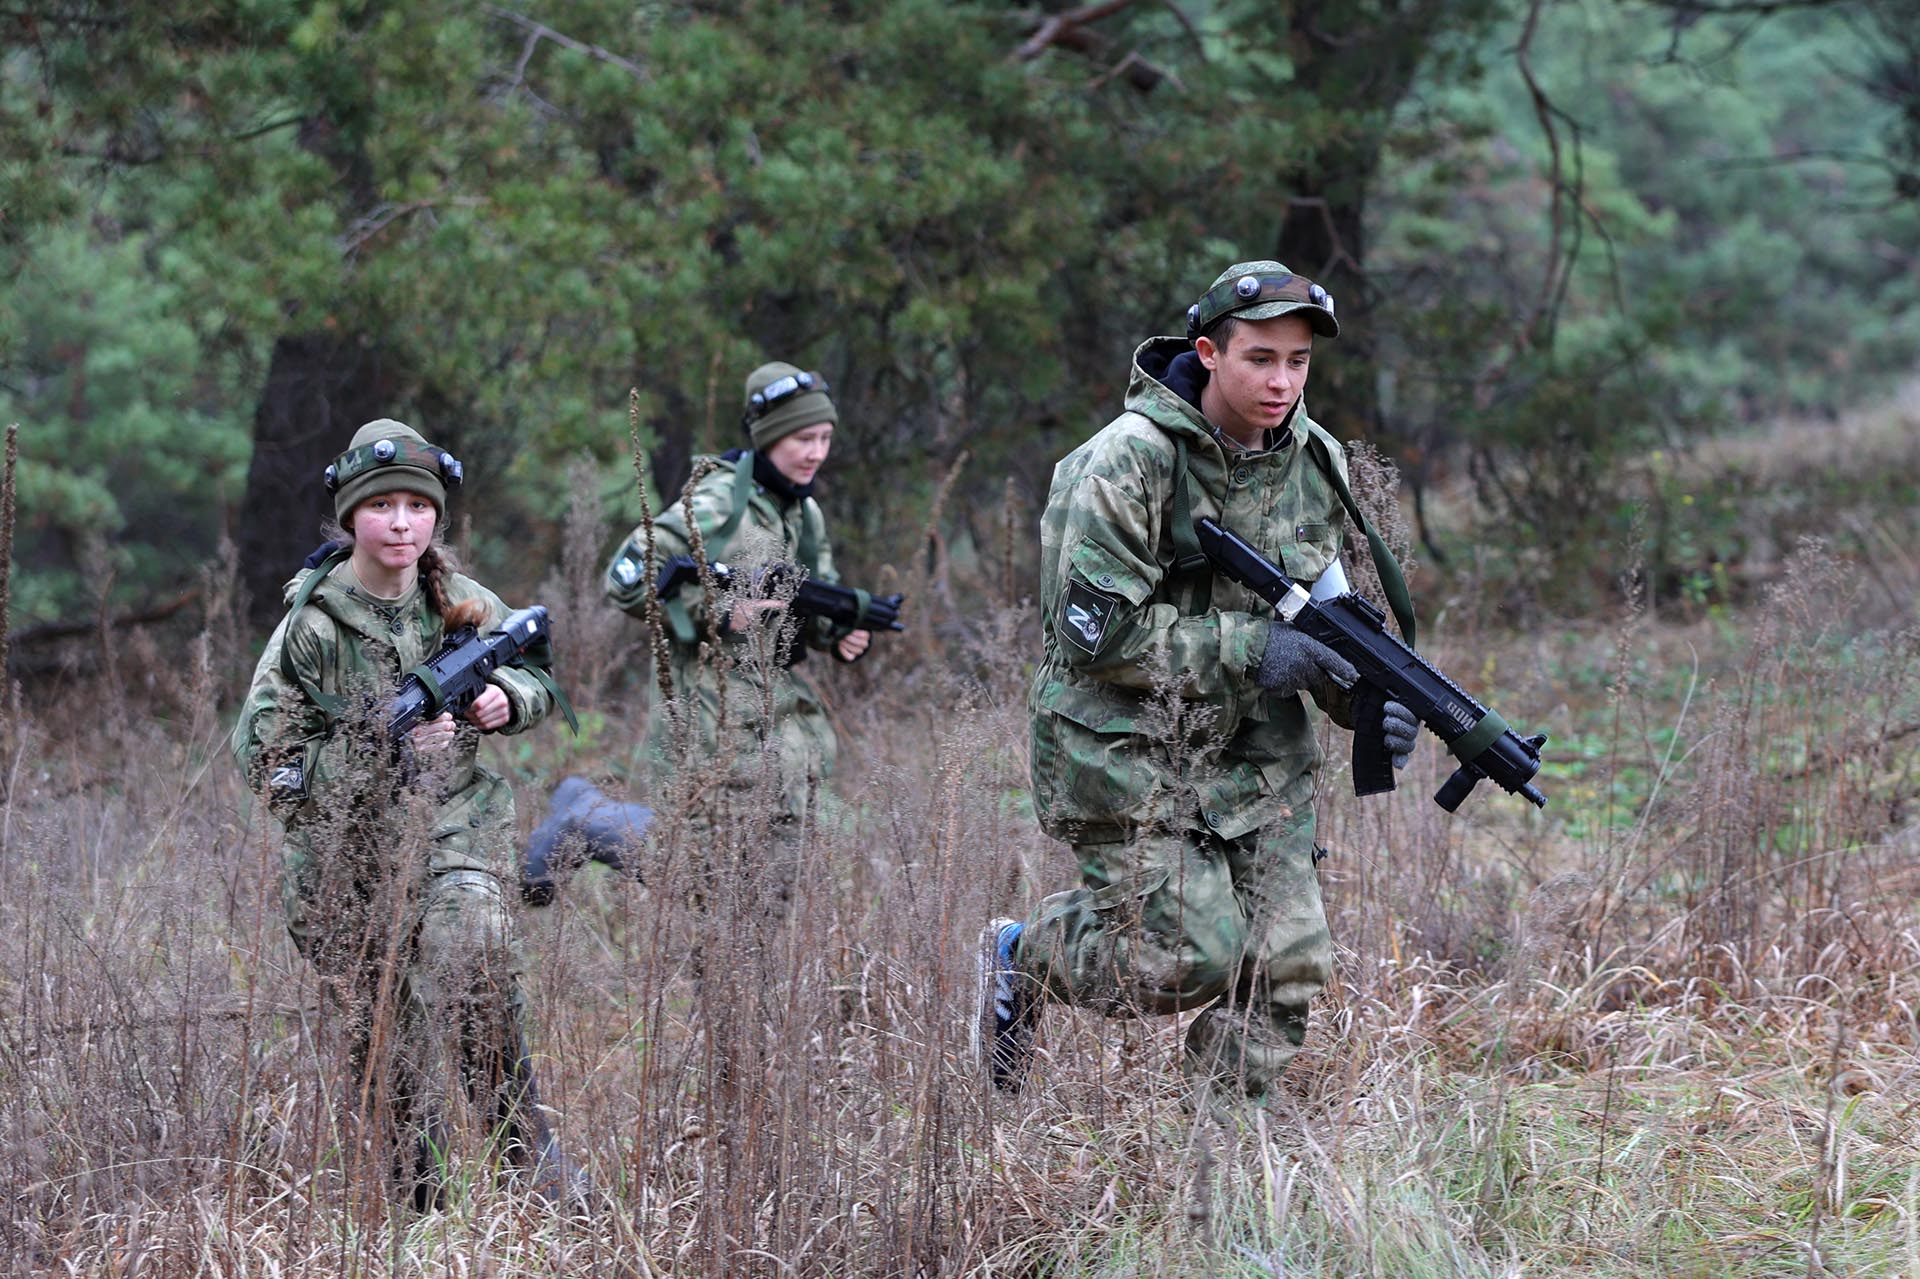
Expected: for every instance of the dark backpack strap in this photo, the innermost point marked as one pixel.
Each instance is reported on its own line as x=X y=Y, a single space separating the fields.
x=1392 y=581
x=330 y=704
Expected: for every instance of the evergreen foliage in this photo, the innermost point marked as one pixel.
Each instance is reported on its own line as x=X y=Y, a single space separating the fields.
x=258 y=221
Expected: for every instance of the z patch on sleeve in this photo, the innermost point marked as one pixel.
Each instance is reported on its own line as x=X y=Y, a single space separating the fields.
x=1085 y=616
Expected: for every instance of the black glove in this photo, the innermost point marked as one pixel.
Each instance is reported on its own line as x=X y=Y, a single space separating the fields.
x=1400 y=730
x=1294 y=663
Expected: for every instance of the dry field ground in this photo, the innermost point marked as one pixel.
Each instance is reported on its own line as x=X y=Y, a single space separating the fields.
x=1666 y=1027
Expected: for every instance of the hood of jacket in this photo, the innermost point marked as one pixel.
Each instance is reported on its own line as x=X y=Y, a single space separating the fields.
x=335 y=596
x=1152 y=393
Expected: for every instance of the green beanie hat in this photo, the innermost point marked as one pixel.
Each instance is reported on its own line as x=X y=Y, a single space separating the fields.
x=1259 y=291
x=782 y=399
x=390 y=457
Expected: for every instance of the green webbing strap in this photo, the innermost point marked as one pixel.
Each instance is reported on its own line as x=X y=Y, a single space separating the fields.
x=718 y=540
x=537 y=661
x=679 y=620
x=425 y=675
x=1469 y=744
x=1187 y=555
x=330 y=704
x=809 y=543
x=1392 y=581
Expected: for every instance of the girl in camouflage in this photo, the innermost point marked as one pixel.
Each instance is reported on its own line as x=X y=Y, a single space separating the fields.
x=395 y=852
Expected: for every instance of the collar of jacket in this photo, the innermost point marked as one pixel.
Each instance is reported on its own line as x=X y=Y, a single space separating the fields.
x=768 y=477
x=336 y=598
x=1207 y=451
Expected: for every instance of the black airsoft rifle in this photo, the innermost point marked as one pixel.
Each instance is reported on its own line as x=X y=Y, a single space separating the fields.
x=841 y=605
x=1389 y=671
x=453 y=677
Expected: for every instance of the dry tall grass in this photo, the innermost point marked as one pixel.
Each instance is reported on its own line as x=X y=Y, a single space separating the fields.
x=1666 y=1027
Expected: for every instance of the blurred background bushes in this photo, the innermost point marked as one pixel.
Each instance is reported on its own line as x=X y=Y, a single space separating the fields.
x=1563 y=236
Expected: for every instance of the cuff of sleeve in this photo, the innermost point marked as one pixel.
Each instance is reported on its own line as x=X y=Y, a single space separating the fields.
x=519 y=715
x=1243 y=641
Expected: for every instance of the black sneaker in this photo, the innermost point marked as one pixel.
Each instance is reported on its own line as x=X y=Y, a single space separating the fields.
x=1009 y=1006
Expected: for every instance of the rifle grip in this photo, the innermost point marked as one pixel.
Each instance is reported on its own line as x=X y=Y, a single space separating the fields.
x=1372 y=762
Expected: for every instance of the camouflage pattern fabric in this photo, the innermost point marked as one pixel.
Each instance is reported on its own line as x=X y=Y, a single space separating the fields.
x=392 y=880
x=1185 y=789
x=774 y=718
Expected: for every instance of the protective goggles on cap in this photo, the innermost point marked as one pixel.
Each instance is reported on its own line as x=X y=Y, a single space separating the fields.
x=782 y=388
x=1228 y=296
x=400 y=452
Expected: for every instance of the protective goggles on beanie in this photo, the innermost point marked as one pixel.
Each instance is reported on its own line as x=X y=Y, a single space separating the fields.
x=764 y=400
x=399 y=452
x=1248 y=291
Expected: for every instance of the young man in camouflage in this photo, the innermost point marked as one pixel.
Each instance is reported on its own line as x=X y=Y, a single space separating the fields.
x=754 y=509
x=1171 y=745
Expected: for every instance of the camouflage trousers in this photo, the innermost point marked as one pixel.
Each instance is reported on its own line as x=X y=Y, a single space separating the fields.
x=1171 y=922
x=752 y=792
x=425 y=966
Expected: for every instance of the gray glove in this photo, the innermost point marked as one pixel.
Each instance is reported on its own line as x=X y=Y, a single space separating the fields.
x=1400 y=730
x=1295 y=663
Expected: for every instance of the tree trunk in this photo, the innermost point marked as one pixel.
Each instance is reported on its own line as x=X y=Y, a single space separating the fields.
x=1324 y=238
x=318 y=390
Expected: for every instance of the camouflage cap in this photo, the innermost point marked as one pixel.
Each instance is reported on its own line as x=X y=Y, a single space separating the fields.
x=784 y=398
x=1259 y=291
x=386 y=456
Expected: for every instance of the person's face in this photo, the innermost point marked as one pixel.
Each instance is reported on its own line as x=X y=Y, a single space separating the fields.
x=1259 y=377
x=394 y=529
x=798 y=456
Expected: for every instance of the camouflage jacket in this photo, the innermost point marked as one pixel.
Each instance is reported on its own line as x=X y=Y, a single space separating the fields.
x=1144 y=709
x=348 y=643
x=770 y=530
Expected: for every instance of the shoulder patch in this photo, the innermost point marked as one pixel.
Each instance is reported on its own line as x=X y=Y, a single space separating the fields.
x=1085 y=616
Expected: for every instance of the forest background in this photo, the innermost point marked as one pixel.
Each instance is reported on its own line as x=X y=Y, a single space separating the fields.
x=1630 y=294
x=1562 y=236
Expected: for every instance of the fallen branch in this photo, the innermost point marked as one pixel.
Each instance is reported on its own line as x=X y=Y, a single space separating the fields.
x=47 y=632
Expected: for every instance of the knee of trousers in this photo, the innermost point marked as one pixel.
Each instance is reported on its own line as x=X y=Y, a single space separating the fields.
x=466 y=946
x=1136 y=944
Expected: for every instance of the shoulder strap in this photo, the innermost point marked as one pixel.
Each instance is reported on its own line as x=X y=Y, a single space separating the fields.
x=718 y=540
x=715 y=543
x=1187 y=555
x=330 y=704
x=812 y=524
x=1392 y=581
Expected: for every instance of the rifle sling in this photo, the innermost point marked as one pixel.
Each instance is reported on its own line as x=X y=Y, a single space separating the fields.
x=1188 y=557
x=1467 y=747
x=1392 y=581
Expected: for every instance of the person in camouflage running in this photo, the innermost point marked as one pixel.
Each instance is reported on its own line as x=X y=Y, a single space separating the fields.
x=395 y=858
x=1171 y=745
x=754 y=509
